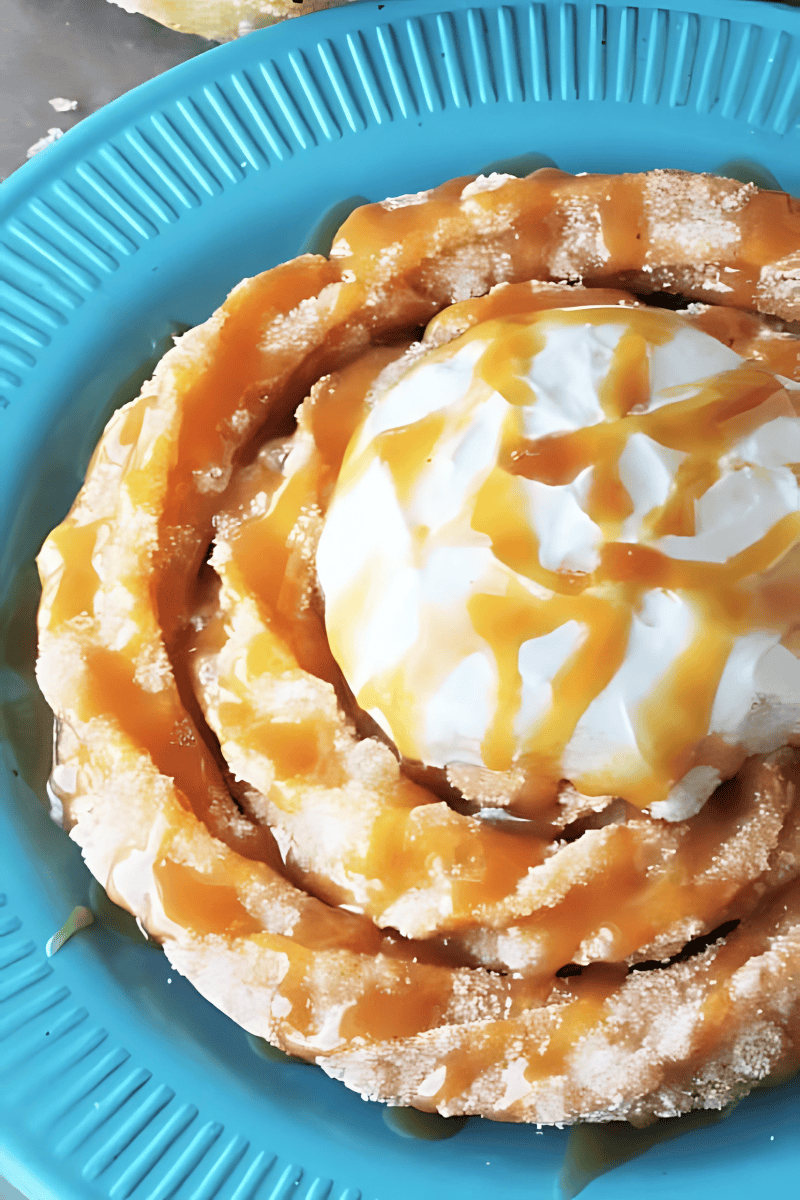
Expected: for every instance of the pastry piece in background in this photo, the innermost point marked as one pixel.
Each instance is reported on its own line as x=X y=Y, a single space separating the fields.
x=222 y=20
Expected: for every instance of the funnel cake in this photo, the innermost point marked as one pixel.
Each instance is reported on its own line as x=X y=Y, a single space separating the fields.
x=451 y=939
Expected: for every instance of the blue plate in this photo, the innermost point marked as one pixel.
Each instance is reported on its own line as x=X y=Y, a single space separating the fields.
x=116 y=1079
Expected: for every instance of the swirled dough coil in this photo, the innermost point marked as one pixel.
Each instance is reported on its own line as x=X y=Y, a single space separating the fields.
x=223 y=788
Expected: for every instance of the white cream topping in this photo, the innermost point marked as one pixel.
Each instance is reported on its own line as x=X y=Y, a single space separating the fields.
x=401 y=561
x=569 y=540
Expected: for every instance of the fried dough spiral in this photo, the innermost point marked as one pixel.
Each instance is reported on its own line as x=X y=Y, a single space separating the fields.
x=223 y=788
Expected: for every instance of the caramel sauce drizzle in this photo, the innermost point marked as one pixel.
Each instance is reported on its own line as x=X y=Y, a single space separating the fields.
x=202 y=902
x=505 y=622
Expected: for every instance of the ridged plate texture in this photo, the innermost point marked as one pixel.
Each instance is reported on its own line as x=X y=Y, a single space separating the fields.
x=116 y=1079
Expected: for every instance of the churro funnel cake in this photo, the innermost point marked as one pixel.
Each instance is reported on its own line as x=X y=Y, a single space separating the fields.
x=423 y=645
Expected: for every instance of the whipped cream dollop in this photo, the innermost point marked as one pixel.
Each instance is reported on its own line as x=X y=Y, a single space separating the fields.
x=567 y=540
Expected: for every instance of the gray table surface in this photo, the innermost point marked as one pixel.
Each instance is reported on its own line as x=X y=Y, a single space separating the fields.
x=84 y=50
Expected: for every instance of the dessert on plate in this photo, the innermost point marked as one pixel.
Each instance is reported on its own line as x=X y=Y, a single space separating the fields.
x=423 y=644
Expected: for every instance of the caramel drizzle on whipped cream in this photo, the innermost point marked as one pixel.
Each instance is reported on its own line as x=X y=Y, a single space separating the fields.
x=725 y=597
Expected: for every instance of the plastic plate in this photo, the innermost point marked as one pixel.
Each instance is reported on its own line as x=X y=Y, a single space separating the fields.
x=116 y=1079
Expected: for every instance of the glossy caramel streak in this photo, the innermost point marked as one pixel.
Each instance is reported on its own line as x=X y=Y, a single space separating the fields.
x=500 y=511
x=513 y=299
x=206 y=905
x=505 y=622
x=226 y=399
x=339 y=402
